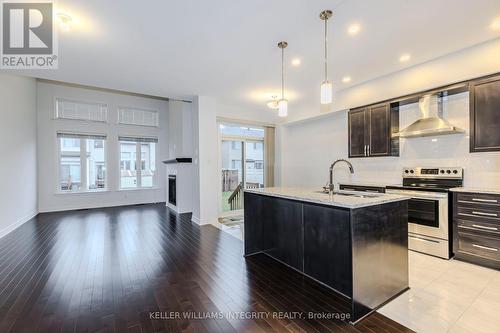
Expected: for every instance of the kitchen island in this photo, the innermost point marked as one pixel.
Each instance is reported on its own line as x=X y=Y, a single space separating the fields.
x=354 y=243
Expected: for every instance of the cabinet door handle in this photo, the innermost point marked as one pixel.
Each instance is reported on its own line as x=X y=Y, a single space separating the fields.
x=485 y=248
x=485 y=200
x=483 y=227
x=368 y=150
x=485 y=214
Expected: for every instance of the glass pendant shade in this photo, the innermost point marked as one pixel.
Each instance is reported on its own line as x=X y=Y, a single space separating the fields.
x=326 y=92
x=283 y=108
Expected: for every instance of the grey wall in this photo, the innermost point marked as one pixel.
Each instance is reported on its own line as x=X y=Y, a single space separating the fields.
x=18 y=161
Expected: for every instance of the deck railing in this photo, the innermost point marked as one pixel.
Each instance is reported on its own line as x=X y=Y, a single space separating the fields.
x=235 y=200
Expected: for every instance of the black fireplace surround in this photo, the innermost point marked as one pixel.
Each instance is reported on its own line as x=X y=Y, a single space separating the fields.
x=172 y=192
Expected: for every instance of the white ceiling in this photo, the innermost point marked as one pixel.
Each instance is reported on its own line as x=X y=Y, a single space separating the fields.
x=227 y=48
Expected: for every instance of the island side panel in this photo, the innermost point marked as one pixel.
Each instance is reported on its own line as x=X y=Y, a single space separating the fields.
x=274 y=226
x=256 y=218
x=327 y=246
x=283 y=231
x=379 y=255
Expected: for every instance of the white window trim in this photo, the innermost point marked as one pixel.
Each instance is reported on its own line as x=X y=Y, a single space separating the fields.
x=83 y=168
x=138 y=159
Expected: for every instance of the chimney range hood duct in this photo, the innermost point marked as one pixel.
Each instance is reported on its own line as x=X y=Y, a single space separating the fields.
x=431 y=122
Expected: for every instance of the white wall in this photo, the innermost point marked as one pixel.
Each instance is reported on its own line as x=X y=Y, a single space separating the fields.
x=205 y=161
x=239 y=114
x=18 y=193
x=309 y=147
x=48 y=196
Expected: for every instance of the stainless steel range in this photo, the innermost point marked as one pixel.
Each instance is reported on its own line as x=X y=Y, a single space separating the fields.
x=429 y=207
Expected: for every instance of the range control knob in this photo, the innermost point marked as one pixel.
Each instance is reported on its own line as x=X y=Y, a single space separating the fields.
x=411 y=171
x=442 y=171
x=448 y=171
x=406 y=171
x=455 y=171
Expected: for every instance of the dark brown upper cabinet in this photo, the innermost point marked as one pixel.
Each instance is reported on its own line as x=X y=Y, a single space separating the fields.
x=357 y=129
x=371 y=129
x=485 y=115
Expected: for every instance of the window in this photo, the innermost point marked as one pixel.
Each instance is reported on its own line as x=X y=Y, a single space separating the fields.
x=236 y=145
x=81 y=110
x=137 y=162
x=82 y=162
x=235 y=164
x=132 y=116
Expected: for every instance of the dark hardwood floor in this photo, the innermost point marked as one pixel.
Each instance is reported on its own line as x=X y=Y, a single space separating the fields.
x=135 y=268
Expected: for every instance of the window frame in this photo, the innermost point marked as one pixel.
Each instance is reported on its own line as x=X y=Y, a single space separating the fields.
x=123 y=108
x=83 y=163
x=138 y=163
x=101 y=104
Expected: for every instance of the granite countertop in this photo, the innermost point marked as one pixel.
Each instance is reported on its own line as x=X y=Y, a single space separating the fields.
x=314 y=195
x=476 y=190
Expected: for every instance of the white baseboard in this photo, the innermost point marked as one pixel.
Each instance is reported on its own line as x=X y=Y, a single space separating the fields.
x=198 y=221
x=7 y=230
x=95 y=206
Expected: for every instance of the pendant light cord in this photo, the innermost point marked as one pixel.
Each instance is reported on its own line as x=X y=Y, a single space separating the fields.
x=282 y=73
x=326 y=49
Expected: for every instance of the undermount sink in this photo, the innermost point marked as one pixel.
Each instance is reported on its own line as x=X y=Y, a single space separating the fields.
x=350 y=194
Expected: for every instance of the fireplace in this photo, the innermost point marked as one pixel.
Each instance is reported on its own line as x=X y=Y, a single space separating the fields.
x=172 y=190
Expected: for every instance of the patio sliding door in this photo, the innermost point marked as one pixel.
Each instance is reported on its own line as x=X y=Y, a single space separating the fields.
x=242 y=163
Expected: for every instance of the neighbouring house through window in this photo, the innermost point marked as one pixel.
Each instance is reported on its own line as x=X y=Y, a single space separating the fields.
x=136 y=152
x=82 y=162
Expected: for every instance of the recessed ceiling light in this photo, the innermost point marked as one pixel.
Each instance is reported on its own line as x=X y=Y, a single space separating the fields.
x=354 y=29
x=296 y=62
x=346 y=79
x=405 y=57
x=64 y=21
x=496 y=24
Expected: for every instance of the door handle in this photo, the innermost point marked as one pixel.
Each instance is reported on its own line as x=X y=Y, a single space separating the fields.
x=366 y=150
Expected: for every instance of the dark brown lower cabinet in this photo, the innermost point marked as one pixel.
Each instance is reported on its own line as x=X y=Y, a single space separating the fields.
x=327 y=257
x=476 y=228
x=360 y=253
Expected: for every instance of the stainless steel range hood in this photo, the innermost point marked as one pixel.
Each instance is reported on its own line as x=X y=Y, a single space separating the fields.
x=431 y=122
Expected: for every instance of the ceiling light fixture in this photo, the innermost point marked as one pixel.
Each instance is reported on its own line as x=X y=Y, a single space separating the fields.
x=354 y=29
x=496 y=24
x=326 y=86
x=405 y=57
x=282 y=103
x=346 y=79
x=296 y=62
x=273 y=103
x=64 y=21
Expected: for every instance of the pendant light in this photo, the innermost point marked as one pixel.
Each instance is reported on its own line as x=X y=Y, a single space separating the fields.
x=282 y=103
x=326 y=86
